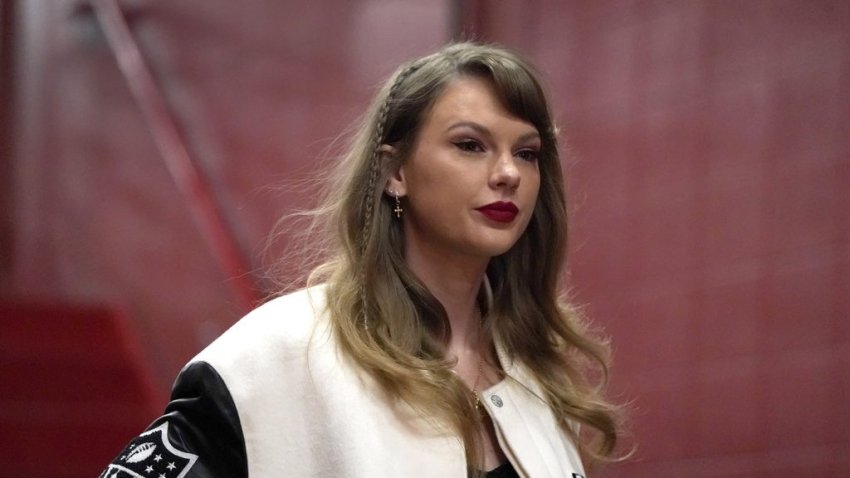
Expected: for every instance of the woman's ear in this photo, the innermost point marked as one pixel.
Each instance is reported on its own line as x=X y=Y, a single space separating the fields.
x=396 y=185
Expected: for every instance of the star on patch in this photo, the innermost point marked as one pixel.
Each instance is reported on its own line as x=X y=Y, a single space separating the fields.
x=145 y=451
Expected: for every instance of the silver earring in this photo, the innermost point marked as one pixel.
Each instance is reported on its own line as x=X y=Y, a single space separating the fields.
x=398 y=210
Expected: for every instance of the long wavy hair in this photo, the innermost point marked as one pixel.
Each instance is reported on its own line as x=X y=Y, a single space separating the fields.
x=387 y=321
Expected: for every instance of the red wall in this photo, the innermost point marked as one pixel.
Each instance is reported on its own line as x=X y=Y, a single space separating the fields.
x=708 y=163
x=710 y=181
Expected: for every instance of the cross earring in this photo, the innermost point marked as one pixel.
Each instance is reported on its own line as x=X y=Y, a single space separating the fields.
x=398 y=210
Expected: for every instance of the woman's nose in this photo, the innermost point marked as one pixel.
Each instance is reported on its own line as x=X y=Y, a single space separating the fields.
x=505 y=173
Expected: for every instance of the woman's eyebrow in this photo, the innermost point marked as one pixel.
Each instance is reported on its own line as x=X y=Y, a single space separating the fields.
x=528 y=137
x=470 y=124
x=481 y=129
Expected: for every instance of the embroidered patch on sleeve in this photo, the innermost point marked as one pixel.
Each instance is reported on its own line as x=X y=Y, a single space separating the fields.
x=151 y=455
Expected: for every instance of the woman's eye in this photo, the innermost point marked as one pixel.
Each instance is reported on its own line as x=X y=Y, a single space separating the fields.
x=469 y=146
x=528 y=154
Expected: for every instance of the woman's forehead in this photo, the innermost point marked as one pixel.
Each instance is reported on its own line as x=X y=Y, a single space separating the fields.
x=471 y=101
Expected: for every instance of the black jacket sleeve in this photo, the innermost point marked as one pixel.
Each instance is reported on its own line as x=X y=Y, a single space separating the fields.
x=199 y=436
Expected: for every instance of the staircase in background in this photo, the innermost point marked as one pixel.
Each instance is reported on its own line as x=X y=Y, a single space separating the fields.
x=74 y=389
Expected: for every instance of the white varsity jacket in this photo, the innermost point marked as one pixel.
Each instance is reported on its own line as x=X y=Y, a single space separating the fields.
x=274 y=397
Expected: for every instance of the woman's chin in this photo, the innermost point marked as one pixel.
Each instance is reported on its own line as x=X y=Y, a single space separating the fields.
x=494 y=248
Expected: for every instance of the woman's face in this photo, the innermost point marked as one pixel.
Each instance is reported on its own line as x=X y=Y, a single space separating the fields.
x=472 y=178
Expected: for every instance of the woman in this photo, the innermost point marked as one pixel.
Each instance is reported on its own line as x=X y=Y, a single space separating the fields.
x=435 y=343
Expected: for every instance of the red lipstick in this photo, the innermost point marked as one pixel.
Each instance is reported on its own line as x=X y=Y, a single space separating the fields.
x=499 y=211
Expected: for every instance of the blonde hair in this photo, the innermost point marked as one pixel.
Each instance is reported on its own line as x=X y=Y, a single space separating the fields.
x=388 y=322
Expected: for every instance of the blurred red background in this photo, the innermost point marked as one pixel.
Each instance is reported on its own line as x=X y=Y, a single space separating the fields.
x=708 y=157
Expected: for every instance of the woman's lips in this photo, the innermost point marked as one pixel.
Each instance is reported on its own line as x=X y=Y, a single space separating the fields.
x=499 y=211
